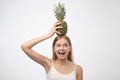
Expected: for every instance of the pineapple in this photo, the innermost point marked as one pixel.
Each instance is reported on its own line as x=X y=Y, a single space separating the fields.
x=60 y=15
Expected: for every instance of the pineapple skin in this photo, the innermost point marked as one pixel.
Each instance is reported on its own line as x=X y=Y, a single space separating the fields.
x=63 y=30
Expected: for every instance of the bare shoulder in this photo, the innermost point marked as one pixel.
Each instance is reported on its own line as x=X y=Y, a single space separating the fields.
x=78 y=68
x=79 y=72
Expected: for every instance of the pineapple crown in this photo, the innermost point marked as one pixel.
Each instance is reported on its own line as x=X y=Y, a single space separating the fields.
x=59 y=11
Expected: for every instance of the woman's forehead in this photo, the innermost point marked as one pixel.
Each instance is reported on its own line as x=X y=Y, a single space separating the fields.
x=62 y=40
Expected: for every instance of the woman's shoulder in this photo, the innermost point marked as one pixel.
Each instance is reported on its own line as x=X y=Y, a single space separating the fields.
x=79 y=69
x=78 y=66
x=79 y=72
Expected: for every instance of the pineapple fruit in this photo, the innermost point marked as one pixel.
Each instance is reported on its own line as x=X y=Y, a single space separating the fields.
x=60 y=15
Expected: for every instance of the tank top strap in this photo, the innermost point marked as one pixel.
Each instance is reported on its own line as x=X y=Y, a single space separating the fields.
x=74 y=67
x=52 y=63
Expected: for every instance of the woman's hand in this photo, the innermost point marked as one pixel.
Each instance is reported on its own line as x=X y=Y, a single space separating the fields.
x=53 y=30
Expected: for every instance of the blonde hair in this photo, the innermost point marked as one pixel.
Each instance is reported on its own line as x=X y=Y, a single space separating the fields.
x=70 y=55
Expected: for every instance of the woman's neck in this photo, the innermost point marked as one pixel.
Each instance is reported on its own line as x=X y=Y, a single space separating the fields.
x=62 y=62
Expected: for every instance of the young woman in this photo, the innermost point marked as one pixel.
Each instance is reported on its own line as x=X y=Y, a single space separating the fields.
x=61 y=66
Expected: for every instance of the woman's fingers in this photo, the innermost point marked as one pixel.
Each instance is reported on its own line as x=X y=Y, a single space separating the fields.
x=58 y=27
x=57 y=24
x=58 y=32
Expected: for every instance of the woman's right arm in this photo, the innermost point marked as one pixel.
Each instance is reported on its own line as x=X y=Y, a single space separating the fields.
x=27 y=47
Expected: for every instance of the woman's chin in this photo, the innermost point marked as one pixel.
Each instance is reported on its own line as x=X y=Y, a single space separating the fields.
x=61 y=57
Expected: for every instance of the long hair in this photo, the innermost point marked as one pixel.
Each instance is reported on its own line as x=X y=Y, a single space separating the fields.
x=70 y=55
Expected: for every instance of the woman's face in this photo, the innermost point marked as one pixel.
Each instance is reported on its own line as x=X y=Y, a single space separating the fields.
x=62 y=48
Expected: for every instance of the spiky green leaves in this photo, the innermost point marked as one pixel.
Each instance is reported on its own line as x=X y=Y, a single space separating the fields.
x=59 y=11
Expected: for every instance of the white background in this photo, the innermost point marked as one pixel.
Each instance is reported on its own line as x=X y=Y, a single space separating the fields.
x=93 y=26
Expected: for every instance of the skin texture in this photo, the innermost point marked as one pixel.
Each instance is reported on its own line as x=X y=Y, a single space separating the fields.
x=61 y=47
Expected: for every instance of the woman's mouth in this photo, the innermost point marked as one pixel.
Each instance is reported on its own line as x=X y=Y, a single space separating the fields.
x=61 y=53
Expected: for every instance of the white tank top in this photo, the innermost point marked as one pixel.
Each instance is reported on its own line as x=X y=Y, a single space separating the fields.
x=53 y=74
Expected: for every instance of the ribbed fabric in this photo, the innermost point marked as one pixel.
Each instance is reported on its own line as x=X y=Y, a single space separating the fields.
x=53 y=74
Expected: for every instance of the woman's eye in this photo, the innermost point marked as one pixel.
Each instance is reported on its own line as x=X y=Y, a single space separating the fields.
x=57 y=45
x=65 y=45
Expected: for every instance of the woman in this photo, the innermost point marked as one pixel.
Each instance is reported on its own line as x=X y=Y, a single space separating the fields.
x=61 y=66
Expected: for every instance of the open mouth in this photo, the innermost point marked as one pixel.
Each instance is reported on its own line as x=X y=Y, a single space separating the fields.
x=61 y=53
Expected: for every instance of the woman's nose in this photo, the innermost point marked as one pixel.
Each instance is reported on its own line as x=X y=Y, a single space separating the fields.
x=61 y=47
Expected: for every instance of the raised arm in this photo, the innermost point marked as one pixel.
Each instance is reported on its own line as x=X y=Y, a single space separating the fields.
x=27 y=47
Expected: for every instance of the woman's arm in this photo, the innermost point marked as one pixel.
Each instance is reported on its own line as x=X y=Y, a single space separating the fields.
x=79 y=72
x=27 y=47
